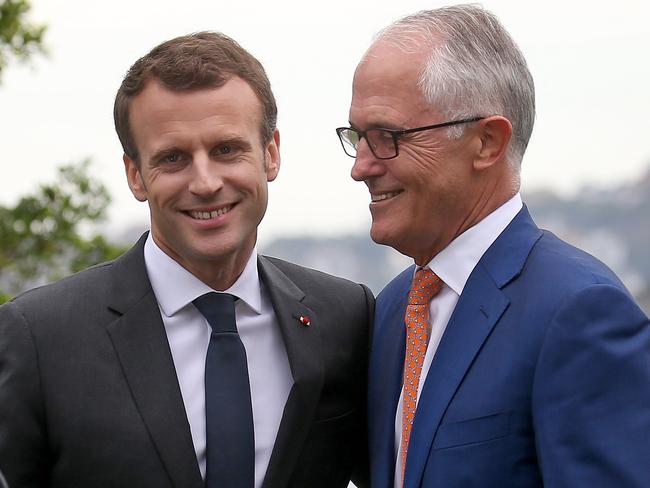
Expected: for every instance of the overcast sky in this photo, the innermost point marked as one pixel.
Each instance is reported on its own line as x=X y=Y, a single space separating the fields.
x=590 y=64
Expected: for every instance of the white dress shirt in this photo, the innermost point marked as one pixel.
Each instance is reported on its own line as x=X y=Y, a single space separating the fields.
x=453 y=265
x=188 y=333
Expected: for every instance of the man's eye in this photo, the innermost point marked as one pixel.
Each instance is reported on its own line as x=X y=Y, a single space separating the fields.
x=383 y=135
x=227 y=150
x=379 y=138
x=171 y=158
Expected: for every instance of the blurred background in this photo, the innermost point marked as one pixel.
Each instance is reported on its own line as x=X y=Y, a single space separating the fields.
x=64 y=202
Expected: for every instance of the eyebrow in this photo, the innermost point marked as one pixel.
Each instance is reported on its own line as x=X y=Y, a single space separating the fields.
x=233 y=139
x=374 y=126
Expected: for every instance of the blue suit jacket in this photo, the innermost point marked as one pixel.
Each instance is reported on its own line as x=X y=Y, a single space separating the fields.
x=542 y=377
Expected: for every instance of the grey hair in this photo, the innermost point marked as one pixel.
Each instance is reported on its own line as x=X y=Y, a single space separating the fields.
x=473 y=68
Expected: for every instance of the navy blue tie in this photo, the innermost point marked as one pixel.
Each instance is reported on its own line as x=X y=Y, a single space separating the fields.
x=230 y=442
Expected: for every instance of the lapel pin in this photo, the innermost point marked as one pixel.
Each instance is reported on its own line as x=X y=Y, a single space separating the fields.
x=304 y=320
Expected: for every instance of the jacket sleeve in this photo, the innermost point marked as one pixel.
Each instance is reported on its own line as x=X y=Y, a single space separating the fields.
x=23 y=453
x=361 y=473
x=591 y=394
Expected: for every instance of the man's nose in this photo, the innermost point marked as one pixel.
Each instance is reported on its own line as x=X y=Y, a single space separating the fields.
x=206 y=177
x=366 y=164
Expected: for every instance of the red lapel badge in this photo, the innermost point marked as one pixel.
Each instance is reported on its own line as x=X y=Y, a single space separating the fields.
x=304 y=320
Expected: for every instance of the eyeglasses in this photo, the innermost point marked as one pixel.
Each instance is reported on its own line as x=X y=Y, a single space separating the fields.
x=383 y=142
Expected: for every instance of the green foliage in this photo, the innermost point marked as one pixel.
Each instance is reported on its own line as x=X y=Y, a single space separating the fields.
x=19 y=38
x=41 y=237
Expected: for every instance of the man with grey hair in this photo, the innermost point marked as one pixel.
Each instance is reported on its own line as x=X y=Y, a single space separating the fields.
x=504 y=356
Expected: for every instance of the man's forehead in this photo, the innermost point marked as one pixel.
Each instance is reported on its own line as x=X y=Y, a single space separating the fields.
x=384 y=63
x=385 y=69
x=386 y=89
x=161 y=114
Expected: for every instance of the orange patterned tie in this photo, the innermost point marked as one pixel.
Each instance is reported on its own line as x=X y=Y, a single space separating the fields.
x=425 y=286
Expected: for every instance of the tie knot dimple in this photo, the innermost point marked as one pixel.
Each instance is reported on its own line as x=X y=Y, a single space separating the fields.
x=219 y=310
x=425 y=286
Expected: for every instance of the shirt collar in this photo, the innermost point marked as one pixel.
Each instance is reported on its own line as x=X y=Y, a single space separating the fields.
x=455 y=263
x=175 y=287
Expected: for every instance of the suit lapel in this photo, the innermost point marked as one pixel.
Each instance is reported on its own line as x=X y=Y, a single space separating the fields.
x=385 y=378
x=303 y=351
x=141 y=345
x=479 y=308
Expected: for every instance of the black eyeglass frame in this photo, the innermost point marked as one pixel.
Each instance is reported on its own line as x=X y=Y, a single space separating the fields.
x=397 y=133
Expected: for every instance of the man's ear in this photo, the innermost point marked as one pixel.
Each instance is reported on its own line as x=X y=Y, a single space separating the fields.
x=134 y=178
x=272 y=156
x=495 y=133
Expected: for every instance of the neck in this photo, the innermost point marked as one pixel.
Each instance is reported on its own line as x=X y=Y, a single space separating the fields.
x=218 y=272
x=487 y=200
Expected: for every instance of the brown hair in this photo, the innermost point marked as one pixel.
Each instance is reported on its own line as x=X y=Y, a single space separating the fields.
x=200 y=60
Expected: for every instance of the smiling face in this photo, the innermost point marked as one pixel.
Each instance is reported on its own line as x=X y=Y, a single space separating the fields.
x=420 y=200
x=203 y=170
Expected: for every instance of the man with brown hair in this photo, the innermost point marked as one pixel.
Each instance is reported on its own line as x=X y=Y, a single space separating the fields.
x=190 y=361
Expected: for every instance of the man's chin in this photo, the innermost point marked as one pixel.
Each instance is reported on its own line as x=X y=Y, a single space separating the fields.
x=391 y=238
x=381 y=236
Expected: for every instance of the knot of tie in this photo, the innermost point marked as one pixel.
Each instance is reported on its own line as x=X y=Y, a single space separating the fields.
x=219 y=310
x=426 y=285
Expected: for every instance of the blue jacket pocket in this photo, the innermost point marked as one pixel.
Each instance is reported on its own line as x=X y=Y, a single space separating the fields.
x=472 y=431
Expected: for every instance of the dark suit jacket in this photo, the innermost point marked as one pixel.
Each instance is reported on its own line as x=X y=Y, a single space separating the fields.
x=89 y=396
x=542 y=377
